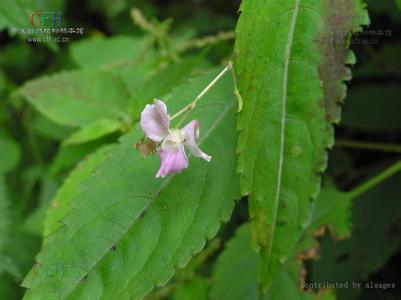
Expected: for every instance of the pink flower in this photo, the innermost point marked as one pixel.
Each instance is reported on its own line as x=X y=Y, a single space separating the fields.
x=155 y=122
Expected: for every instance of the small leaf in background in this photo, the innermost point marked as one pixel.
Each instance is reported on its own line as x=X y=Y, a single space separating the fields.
x=236 y=269
x=332 y=211
x=69 y=155
x=127 y=57
x=98 y=52
x=78 y=98
x=50 y=130
x=291 y=97
x=195 y=289
x=93 y=131
x=368 y=110
x=10 y=154
x=375 y=238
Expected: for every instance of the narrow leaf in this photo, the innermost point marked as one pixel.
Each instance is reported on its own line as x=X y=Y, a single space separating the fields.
x=291 y=72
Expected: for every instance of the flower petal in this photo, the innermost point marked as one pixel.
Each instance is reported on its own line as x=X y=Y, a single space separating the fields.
x=191 y=136
x=172 y=160
x=155 y=121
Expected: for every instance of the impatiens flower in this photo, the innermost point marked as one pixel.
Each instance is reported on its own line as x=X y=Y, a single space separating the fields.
x=155 y=122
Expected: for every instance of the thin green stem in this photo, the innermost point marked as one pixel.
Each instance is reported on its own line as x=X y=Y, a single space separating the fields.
x=186 y=110
x=368 y=145
x=393 y=169
x=236 y=90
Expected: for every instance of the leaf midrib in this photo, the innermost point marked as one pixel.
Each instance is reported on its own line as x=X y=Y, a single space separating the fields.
x=283 y=118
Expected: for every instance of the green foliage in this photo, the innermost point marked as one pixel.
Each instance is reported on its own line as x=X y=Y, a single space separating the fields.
x=15 y=14
x=69 y=155
x=82 y=215
x=60 y=205
x=78 y=98
x=107 y=52
x=375 y=224
x=141 y=216
x=7 y=266
x=10 y=154
x=93 y=131
x=332 y=210
x=196 y=289
x=291 y=95
x=5 y=215
x=398 y=2
x=50 y=130
x=161 y=83
x=237 y=267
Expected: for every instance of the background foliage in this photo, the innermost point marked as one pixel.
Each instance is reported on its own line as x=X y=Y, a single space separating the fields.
x=81 y=215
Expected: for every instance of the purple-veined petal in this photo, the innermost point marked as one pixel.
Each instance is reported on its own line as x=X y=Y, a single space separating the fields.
x=191 y=136
x=155 y=121
x=172 y=159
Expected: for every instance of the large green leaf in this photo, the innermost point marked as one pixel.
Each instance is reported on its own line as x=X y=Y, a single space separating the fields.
x=78 y=98
x=128 y=231
x=291 y=71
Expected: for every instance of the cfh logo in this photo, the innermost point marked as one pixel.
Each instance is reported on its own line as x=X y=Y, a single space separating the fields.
x=46 y=18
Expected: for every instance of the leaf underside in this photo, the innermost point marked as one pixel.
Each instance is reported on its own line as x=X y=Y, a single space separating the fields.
x=127 y=231
x=291 y=57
